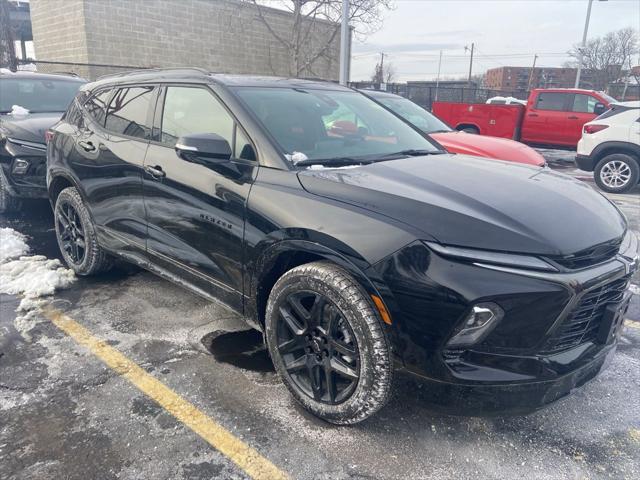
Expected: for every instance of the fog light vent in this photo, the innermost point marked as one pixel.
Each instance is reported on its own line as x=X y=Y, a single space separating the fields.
x=20 y=166
x=480 y=320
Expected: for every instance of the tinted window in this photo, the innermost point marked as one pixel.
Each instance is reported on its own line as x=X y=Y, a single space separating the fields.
x=37 y=95
x=325 y=124
x=551 y=101
x=243 y=148
x=128 y=112
x=73 y=115
x=193 y=110
x=584 y=103
x=97 y=106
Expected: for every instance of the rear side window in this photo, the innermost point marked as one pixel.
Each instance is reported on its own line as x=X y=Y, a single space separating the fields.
x=128 y=112
x=73 y=115
x=584 y=103
x=614 y=110
x=97 y=106
x=551 y=101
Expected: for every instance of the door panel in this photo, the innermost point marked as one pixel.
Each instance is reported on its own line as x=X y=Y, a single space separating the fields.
x=109 y=168
x=546 y=121
x=196 y=213
x=582 y=111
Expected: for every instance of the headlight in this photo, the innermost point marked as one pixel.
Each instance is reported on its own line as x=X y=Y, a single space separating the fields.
x=477 y=324
x=493 y=258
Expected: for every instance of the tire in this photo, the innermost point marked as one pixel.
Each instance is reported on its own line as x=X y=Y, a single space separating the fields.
x=471 y=130
x=8 y=203
x=617 y=173
x=73 y=224
x=349 y=341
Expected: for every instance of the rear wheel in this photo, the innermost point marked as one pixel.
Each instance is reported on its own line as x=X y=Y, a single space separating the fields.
x=617 y=173
x=77 y=236
x=327 y=343
x=8 y=203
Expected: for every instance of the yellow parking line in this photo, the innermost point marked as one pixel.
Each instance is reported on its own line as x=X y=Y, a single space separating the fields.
x=245 y=457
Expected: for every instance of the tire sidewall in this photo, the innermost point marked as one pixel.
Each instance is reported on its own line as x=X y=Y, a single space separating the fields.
x=620 y=157
x=308 y=280
x=71 y=196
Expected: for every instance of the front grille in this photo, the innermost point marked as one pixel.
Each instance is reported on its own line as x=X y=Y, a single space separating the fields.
x=582 y=324
x=589 y=256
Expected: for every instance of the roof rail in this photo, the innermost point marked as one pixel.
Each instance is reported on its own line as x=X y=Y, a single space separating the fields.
x=151 y=69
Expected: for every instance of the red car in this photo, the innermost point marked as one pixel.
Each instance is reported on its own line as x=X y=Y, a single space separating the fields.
x=454 y=141
x=552 y=117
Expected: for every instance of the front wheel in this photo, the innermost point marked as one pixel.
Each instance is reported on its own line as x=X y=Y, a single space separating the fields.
x=617 y=173
x=327 y=343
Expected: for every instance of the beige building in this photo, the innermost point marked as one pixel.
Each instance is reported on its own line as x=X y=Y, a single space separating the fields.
x=220 y=35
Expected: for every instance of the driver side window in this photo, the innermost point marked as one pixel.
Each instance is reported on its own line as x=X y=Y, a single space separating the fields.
x=193 y=110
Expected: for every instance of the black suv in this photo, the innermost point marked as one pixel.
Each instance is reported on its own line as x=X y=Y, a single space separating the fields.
x=29 y=104
x=356 y=245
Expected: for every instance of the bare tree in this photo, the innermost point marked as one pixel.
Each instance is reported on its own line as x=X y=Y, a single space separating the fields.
x=316 y=27
x=384 y=73
x=606 y=57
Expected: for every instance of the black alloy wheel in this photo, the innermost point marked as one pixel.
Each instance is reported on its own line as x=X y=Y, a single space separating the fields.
x=318 y=347
x=72 y=233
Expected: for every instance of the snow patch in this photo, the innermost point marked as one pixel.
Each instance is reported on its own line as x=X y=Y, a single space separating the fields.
x=296 y=157
x=18 y=110
x=635 y=289
x=12 y=244
x=33 y=277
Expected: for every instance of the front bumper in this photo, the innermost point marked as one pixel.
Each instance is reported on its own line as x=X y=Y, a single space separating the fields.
x=518 y=363
x=32 y=182
x=585 y=162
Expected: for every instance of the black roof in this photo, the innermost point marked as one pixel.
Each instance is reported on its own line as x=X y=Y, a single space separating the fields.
x=197 y=75
x=4 y=73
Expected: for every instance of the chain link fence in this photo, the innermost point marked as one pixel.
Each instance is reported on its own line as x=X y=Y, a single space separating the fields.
x=89 y=71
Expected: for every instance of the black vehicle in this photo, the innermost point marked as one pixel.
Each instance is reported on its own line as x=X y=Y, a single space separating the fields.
x=39 y=100
x=353 y=243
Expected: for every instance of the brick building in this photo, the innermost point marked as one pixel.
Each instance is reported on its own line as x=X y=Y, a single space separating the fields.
x=219 y=35
x=517 y=78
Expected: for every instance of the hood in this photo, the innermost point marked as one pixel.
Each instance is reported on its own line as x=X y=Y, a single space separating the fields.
x=471 y=202
x=30 y=127
x=489 y=147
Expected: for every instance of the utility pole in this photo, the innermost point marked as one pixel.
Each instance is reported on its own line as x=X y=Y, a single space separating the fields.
x=584 y=44
x=438 y=77
x=470 y=62
x=344 y=44
x=381 y=67
x=535 y=57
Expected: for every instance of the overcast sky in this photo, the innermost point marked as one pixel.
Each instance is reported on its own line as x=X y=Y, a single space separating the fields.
x=505 y=32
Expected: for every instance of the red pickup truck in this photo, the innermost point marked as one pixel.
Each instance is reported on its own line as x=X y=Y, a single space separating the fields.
x=552 y=116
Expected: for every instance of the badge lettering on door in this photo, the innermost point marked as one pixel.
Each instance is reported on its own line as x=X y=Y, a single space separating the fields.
x=216 y=221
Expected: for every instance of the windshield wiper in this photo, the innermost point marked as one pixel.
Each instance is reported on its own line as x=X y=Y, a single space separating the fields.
x=333 y=162
x=408 y=153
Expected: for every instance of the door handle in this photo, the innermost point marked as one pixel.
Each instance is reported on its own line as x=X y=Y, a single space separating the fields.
x=572 y=117
x=87 y=146
x=533 y=115
x=156 y=172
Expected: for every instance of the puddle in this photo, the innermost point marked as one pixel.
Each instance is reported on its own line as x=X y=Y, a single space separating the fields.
x=243 y=349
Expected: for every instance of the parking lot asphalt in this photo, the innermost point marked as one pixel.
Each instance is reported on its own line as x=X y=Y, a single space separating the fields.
x=162 y=382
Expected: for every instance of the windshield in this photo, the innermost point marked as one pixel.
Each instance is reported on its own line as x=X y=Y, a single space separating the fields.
x=608 y=98
x=37 y=95
x=414 y=114
x=311 y=124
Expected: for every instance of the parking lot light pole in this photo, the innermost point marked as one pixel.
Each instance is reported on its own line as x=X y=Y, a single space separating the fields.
x=584 y=42
x=344 y=43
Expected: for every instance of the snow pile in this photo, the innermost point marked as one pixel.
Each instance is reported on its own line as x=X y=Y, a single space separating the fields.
x=296 y=157
x=12 y=244
x=33 y=276
x=18 y=110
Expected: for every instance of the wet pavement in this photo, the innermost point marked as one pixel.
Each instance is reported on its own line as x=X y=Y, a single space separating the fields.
x=64 y=414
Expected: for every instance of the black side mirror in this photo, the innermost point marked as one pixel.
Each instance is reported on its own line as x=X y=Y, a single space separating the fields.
x=203 y=148
x=599 y=109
